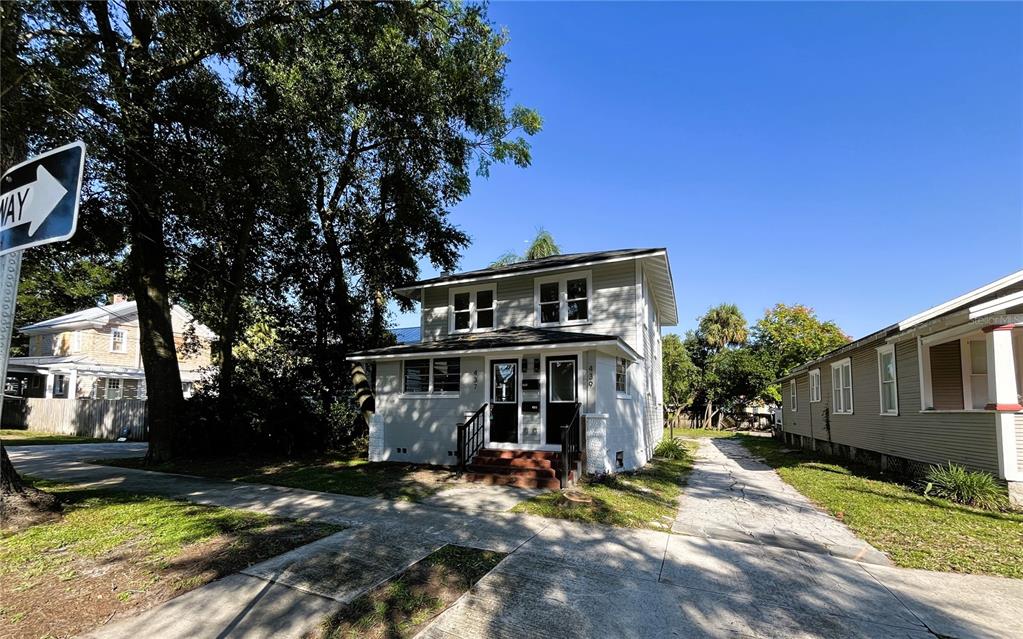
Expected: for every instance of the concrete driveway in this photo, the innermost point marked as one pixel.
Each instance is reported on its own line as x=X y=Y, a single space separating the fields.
x=559 y=580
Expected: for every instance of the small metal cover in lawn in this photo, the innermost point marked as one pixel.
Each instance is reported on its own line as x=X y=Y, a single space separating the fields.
x=39 y=199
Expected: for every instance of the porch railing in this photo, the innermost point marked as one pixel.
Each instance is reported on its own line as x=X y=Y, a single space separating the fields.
x=571 y=446
x=470 y=436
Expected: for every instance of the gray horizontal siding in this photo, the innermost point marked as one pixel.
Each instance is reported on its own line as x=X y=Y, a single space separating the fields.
x=612 y=303
x=966 y=438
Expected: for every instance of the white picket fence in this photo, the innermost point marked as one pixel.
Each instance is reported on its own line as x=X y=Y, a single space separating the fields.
x=100 y=418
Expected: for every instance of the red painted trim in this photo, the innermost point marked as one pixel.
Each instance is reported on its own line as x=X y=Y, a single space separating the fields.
x=996 y=327
x=1004 y=407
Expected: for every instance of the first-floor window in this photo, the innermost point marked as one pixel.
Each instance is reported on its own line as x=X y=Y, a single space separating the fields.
x=441 y=375
x=417 y=376
x=446 y=375
x=888 y=383
x=113 y=388
x=59 y=385
x=622 y=376
x=841 y=387
x=815 y=385
x=793 y=395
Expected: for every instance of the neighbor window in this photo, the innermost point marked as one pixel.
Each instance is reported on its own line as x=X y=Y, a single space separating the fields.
x=563 y=299
x=113 y=388
x=118 y=341
x=422 y=376
x=841 y=387
x=76 y=341
x=888 y=383
x=622 y=376
x=978 y=373
x=472 y=309
x=59 y=385
x=793 y=395
x=815 y=385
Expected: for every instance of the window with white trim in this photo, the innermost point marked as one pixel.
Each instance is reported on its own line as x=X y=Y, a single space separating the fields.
x=76 y=341
x=622 y=377
x=114 y=390
x=563 y=299
x=472 y=309
x=793 y=395
x=841 y=388
x=888 y=385
x=118 y=341
x=439 y=376
x=815 y=385
x=59 y=385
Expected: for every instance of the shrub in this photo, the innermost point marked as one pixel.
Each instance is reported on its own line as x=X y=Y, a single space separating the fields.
x=671 y=449
x=956 y=483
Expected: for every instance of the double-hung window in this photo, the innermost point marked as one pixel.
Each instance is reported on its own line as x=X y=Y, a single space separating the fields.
x=118 y=341
x=440 y=376
x=563 y=299
x=622 y=377
x=472 y=309
x=841 y=387
x=815 y=385
x=793 y=396
x=888 y=384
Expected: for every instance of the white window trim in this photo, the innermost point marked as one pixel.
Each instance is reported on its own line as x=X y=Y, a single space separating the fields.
x=887 y=349
x=430 y=392
x=815 y=374
x=107 y=387
x=793 y=395
x=627 y=393
x=124 y=340
x=562 y=281
x=852 y=396
x=472 y=291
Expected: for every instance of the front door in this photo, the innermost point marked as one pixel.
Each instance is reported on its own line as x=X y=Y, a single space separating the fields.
x=504 y=401
x=561 y=395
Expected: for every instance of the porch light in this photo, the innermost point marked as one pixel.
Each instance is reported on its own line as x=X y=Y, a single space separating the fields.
x=525 y=364
x=536 y=365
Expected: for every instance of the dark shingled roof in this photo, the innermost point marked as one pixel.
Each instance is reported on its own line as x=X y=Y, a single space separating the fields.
x=555 y=261
x=500 y=338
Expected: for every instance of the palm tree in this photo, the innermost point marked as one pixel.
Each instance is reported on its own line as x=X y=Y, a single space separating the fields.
x=543 y=245
x=722 y=326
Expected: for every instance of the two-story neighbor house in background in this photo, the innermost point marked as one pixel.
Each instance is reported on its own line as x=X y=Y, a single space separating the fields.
x=95 y=354
x=514 y=355
x=943 y=385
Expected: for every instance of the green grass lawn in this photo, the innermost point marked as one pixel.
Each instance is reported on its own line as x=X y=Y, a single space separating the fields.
x=916 y=531
x=123 y=552
x=343 y=473
x=15 y=437
x=698 y=433
x=405 y=604
x=647 y=498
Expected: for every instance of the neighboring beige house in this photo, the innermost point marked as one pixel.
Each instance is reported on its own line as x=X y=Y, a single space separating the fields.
x=95 y=354
x=943 y=385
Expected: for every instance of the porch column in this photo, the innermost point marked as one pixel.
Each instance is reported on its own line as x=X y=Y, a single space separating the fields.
x=48 y=386
x=1002 y=398
x=72 y=384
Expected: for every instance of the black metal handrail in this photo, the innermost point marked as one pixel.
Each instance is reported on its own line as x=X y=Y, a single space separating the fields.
x=470 y=436
x=571 y=445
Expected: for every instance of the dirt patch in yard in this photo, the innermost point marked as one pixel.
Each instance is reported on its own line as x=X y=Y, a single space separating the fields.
x=405 y=604
x=63 y=578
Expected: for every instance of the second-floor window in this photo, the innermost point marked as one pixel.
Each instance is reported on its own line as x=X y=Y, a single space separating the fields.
x=118 y=341
x=472 y=309
x=563 y=299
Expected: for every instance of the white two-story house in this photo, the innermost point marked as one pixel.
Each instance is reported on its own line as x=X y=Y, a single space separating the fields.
x=517 y=360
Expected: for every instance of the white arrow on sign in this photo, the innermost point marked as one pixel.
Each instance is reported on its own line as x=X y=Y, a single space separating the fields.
x=32 y=203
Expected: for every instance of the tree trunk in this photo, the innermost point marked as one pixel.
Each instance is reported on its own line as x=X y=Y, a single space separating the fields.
x=148 y=267
x=10 y=481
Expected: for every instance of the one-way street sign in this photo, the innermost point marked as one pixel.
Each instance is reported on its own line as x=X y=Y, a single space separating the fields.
x=39 y=199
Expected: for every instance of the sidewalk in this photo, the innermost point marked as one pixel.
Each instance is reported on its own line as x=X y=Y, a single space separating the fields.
x=561 y=578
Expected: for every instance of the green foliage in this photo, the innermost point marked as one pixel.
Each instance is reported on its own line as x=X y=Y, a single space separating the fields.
x=956 y=483
x=543 y=245
x=736 y=377
x=722 y=326
x=679 y=375
x=792 y=335
x=671 y=449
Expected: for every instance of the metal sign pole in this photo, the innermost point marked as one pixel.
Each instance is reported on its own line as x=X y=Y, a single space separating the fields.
x=10 y=272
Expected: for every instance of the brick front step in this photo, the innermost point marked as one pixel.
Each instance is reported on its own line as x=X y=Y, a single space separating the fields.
x=513 y=480
x=518 y=454
x=514 y=462
x=482 y=468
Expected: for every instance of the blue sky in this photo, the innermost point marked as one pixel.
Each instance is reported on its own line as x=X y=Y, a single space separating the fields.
x=864 y=159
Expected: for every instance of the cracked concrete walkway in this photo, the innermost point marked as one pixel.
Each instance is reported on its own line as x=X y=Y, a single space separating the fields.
x=731 y=495
x=559 y=579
